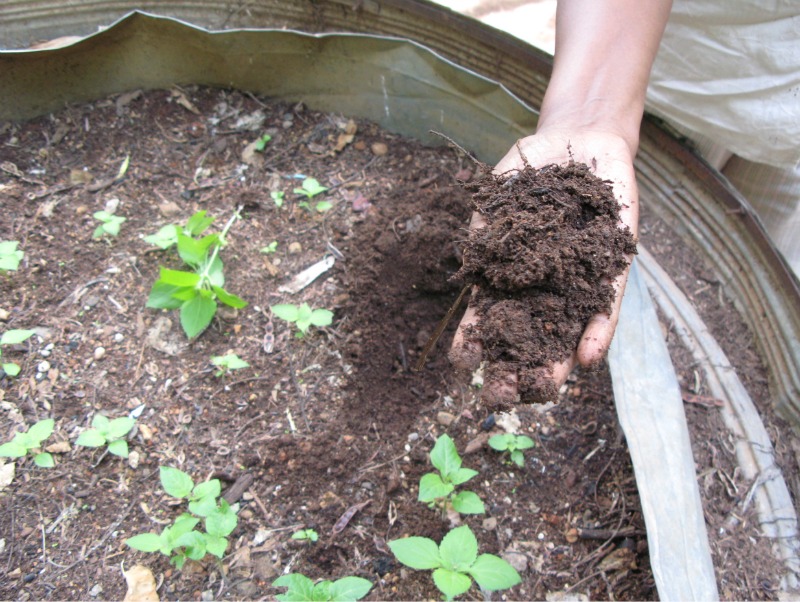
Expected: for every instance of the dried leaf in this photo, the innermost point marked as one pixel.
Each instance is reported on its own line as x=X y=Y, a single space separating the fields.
x=141 y=585
x=348 y=514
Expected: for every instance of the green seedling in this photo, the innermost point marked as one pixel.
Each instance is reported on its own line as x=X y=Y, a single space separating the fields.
x=270 y=248
x=180 y=540
x=13 y=337
x=303 y=316
x=320 y=207
x=277 y=198
x=228 y=362
x=109 y=224
x=513 y=444
x=10 y=256
x=310 y=188
x=24 y=443
x=455 y=562
x=305 y=535
x=167 y=236
x=300 y=587
x=261 y=143
x=438 y=489
x=195 y=293
x=108 y=432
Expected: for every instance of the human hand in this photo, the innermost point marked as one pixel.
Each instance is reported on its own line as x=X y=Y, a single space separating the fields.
x=610 y=158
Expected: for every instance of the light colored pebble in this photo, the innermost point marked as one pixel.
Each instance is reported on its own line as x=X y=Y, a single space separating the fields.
x=99 y=353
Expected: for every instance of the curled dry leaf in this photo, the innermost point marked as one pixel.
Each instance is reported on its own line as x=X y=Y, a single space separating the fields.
x=141 y=585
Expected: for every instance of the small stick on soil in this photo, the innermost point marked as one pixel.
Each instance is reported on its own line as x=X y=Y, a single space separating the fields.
x=439 y=330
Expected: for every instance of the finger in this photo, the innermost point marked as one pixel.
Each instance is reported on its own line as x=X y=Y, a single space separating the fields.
x=465 y=352
x=599 y=331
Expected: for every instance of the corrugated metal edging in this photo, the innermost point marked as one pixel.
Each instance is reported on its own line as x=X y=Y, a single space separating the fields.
x=723 y=230
x=522 y=68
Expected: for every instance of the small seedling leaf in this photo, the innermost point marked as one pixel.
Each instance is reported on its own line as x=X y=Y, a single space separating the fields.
x=459 y=549
x=277 y=197
x=165 y=296
x=13 y=449
x=321 y=317
x=444 y=456
x=500 y=442
x=518 y=458
x=203 y=506
x=229 y=361
x=119 y=427
x=210 y=488
x=196 y=315
x=15 y=336
x=299 y=587
x=462 y=475
x=285 y=311
x=216 y=272
x=467 y=502
x=198 y=223
x=164 y=238
x=90 y=438
x=493 y=573
x=451 y=583
x=178 y=278
x=145 y=542
x=222 y=521
x=431 y=487
x=11 y=368
x=176 y=483
x=44 y=460
x=228 y=299
x=10 y=256
x=118 y=448
x=323 y=206
x=349 y=588
x=101 y=423
x=216 y=545
x=418 y=553
x=194 y=544
x=524 y=442
x=41 y=430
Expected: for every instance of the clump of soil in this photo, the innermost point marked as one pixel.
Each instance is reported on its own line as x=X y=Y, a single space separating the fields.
x=543 y=264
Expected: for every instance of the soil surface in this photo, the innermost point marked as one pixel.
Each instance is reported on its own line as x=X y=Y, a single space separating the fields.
x=543 y=264
x=331 y=425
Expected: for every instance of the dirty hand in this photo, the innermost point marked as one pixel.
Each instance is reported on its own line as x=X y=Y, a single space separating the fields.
x=610 y=158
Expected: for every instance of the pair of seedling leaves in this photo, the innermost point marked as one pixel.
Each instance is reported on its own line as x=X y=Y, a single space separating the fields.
x=180 y=540
x=195 y=293
x=438 y=489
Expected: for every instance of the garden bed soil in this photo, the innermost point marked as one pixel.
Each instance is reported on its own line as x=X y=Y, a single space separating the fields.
x=316 y=428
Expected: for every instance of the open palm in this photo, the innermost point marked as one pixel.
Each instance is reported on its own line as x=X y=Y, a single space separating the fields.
x=610 y=158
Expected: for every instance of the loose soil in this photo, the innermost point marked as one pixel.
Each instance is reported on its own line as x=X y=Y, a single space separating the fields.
x=332 y=424
x=543 y=265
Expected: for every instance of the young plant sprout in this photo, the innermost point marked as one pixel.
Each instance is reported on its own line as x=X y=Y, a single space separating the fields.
x=303 y=316
x=437 y=489
x=513 y=444
x=10 y=256
x=24 y=443
x=270 y=248
x=277 y=198
x=228 y=362
x=300 y=587
x=310 y=188
x=261 y=143
x=108 y=432
x=180 y=540
x=196 y=293
x=13 y=337
x=455 y=562
x=109 y=224
x=305 y=535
